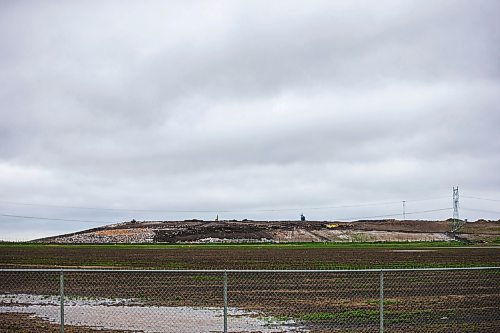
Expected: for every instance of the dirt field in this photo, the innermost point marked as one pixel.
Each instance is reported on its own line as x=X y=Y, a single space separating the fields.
x=305 y=256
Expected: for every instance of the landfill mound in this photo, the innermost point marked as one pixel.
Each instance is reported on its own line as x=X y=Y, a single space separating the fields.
x=247 y=231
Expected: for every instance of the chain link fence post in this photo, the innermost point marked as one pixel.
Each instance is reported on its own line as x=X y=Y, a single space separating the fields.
x=381 y=301
x=225 y=302
x=418 y=299
x=61 y=296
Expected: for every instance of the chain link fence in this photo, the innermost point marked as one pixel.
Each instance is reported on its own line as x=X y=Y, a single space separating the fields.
x=267 y=301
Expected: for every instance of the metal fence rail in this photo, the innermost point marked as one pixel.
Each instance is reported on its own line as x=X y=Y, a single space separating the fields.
x=369 y=300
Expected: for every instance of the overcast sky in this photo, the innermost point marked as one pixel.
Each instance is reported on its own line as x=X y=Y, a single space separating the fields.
x=239 y=107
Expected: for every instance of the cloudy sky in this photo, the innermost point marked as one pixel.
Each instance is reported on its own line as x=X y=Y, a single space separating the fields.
x=113 y=110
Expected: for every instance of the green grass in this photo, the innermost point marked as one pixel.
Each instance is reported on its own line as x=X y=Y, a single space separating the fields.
x=297 y=246
x=395 y=317
x=411 y=316
x=105 y=263
x=173 y=265
x=349 y=314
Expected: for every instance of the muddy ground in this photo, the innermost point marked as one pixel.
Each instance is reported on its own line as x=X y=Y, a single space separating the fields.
x=308 y=256
x=25 y=323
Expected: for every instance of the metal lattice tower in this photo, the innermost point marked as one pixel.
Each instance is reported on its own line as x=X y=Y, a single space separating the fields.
x=457 y=223
x=455 y=203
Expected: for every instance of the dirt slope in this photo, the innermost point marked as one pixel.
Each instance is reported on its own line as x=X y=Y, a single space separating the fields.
x=279 y=231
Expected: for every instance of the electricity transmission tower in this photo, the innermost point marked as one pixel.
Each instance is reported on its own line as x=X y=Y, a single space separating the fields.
x=457 y=223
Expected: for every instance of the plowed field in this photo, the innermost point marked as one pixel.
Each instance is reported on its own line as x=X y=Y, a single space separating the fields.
x=306 y=256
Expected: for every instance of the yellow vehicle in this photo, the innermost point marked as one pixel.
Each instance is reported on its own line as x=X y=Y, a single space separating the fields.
x=338 y=226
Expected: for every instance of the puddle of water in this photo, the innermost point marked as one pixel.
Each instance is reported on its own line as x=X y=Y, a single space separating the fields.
x=130 y=314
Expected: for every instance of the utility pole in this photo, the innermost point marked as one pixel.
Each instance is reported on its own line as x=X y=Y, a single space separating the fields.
x=404 y=210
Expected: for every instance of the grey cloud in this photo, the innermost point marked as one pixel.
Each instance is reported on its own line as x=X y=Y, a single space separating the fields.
x=227 y=105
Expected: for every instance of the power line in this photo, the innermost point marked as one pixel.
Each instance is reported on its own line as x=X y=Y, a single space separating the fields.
x=94 y=221
x=79 y=207
x=395 y=214
x=482 y=210
x=478 y=198
x=200 y=211
x=219 y=211
x=430 y=211
x=53 y=219
x=327 y=207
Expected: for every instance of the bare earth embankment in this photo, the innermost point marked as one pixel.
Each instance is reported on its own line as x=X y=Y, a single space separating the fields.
x=195 y=231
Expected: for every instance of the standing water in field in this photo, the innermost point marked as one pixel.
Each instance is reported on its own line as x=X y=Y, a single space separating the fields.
x=133 y=315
